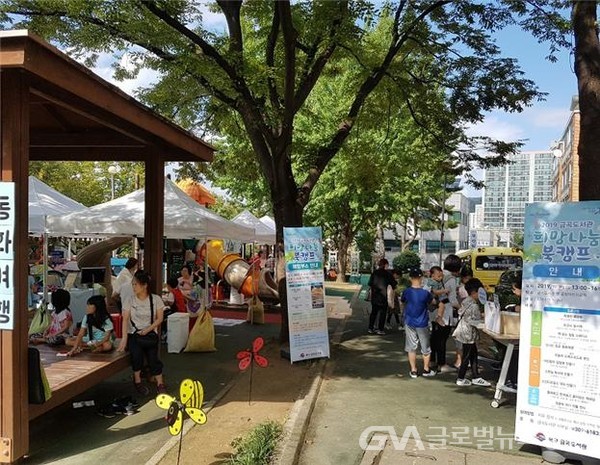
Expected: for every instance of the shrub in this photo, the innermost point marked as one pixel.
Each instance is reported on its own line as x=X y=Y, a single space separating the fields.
x=257 y=447
x=406 y=260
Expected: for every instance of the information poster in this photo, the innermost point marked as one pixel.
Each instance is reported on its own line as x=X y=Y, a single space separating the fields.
x=7 y=255
x=558 y=400
x=309 y=337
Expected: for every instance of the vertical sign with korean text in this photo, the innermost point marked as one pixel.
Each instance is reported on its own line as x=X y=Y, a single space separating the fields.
x=558 y=400
x=309 y=337
x=7 y=255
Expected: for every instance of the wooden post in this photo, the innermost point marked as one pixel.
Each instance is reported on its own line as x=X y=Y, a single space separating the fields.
x=154 y=219
x=14 y=165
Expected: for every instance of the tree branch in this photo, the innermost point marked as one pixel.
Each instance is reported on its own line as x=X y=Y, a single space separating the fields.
x=289 y=47
x=249 y=103
x=326 y=153
x=270 y=58
x=206 y=48
x=231 y=10
x=311 y=76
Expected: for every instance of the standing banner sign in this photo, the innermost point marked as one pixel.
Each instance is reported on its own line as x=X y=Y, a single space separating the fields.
x=309 y=337
x=558 y=400
x=7 y=255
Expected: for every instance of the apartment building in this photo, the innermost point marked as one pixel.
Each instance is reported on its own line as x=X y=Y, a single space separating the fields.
x=528 y=177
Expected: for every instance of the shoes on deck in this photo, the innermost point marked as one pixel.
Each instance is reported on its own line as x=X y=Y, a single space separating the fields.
x=379 y=332
x=463 y=382
x=370 y=331
x=125 y=405
x=413 y=374
x=429 y=373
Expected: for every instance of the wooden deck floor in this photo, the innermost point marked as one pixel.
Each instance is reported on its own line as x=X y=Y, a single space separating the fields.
x=71 y=376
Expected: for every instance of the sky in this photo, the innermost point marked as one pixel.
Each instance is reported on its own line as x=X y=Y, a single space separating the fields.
x=538 y=126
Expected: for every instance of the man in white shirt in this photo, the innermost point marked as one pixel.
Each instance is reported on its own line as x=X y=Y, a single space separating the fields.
x=123 y=289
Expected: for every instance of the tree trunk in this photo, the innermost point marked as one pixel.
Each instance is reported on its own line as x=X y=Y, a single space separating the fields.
x=288 y=212
x=587 y=68
x=344 y=245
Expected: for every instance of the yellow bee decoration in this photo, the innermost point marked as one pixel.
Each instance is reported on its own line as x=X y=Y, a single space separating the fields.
x=191 y=394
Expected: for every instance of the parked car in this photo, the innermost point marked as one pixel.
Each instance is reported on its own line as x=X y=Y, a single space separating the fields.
x=504 y=289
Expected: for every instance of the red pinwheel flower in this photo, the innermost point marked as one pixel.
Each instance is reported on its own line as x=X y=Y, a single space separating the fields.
x=246 y=356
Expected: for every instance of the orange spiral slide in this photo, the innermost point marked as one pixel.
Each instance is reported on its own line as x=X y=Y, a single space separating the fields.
x=238 y=273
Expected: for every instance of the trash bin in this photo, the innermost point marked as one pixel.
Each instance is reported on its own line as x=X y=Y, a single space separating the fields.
x=177 y=332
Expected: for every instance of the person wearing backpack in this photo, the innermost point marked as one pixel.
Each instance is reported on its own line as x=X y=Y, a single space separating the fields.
x=442 y=326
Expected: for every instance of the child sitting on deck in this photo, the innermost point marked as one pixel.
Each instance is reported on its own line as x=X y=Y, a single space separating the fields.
x=97 y=330
x=62 y=320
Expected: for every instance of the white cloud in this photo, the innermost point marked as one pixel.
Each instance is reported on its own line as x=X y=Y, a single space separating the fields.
x=497 y=128
x=554 y=118
x=104 y=69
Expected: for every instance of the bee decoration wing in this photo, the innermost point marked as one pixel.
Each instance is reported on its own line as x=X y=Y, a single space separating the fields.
x=196 y=414
x=164 y=401
x=175 y=428
x=191 y=393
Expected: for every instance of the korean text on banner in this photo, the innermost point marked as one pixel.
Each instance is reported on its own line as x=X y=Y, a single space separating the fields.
x=7 y=255
x=307 y=316
x=558 y=401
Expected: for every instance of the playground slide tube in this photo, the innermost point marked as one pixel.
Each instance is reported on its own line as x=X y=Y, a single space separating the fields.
x=238 y=273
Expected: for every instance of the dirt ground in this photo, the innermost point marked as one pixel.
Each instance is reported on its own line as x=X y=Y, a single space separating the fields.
x=274 y=391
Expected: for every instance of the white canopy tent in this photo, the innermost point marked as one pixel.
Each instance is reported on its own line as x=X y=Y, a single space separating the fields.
x=45 y=201
x=269 y=222
x=184 y=218
x=263 y=233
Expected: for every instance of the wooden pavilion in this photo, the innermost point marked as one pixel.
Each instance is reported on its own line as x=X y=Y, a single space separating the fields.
x=53 y=108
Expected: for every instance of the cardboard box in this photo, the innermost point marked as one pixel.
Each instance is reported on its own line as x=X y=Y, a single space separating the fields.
x=511 y=323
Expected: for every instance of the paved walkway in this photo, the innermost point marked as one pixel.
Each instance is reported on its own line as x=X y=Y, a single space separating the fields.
x=366 y=385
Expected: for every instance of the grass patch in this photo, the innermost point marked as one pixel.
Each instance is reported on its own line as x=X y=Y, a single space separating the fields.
x=256 y=448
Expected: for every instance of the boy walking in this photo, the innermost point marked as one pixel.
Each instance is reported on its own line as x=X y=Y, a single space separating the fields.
x=416 y=302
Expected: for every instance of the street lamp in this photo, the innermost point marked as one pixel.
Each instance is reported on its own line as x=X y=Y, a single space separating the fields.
x=112 y=170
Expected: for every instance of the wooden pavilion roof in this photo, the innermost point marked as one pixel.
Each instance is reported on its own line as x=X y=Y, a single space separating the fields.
x=76 y=115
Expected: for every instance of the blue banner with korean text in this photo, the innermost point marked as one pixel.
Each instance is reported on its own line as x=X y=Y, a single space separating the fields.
x=309 y=337
x=558 y=400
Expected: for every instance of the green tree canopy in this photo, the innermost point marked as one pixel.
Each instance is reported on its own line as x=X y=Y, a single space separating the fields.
x=264 y=67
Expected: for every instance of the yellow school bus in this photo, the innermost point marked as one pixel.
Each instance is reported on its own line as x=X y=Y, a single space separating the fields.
x=488 y=263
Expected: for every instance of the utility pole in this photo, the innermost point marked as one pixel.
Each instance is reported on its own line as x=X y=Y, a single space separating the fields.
x=442 y=220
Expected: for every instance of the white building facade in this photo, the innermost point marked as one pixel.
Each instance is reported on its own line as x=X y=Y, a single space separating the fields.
x=526 y=178
x=428 y=243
